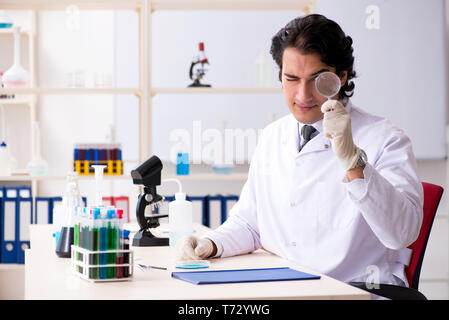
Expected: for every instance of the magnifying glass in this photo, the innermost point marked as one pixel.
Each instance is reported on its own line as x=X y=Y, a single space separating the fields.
x=327 y=84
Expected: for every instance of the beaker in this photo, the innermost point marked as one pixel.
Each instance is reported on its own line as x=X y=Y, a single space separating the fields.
x=70 y=201
x=65 y=240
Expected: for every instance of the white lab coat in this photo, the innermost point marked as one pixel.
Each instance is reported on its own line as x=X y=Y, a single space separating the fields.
x=299 y=206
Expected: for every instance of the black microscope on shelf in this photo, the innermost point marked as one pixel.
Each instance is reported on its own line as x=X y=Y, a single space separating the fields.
x=148 y=174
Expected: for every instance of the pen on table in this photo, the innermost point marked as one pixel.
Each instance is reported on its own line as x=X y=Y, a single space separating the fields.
x=151 y=267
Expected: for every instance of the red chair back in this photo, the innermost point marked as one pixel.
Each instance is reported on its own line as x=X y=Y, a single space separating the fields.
x=432 y=197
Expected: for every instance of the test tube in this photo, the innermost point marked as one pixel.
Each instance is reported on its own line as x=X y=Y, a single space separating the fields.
x=76 y=235
x=91 y=243
x=94 y=240
x=86 y=229
x=111 y=243
x=76 y=228
x=126 y=255
x=81 y=212
x=120 y=256
x=103 y=241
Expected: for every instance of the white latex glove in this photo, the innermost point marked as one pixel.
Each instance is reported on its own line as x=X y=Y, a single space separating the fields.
x=194 y=248
x=337 y=127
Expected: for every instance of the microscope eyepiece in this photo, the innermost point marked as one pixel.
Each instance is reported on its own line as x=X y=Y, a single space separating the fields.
x=148 y=173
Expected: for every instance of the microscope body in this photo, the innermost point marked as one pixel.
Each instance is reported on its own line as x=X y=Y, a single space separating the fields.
x=148 y=174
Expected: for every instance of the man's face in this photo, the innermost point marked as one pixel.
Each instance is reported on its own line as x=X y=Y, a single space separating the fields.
x=298 y=82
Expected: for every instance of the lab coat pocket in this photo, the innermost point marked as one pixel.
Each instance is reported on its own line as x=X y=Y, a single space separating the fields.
x=335 y=210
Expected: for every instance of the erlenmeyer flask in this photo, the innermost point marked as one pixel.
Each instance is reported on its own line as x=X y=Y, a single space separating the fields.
x=16 y=76
x=66 y=211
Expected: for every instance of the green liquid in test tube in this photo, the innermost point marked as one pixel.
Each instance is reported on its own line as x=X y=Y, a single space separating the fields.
x=91 y=243
x=103 y=242
x=104 y=233
x=94 y=239
x=111 y=243
x=120 y=256
x=76 y=230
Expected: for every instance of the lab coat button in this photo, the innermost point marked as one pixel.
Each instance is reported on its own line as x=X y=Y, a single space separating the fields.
x=292 y=204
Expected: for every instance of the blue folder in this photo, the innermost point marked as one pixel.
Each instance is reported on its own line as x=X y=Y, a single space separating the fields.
x=243 y=275
x=15 y=219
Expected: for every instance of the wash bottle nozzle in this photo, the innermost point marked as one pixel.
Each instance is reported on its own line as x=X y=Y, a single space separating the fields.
x=98 y=183
x=179 y=193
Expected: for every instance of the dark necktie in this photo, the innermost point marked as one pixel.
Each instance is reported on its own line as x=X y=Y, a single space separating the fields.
x=307 y=133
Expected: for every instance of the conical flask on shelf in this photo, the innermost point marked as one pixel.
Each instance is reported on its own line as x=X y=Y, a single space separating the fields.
x=37 y=166
x=16 y=76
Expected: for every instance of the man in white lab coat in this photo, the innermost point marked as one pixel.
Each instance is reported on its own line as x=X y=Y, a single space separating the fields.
x=346 y=203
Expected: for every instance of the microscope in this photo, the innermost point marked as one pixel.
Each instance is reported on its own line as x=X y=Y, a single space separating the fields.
x=148 y=174
x=199 y=71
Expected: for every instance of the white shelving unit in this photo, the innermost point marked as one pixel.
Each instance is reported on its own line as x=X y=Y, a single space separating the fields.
x=303 y=5
x=35 y=91
x=29 y=99
x=145 y=91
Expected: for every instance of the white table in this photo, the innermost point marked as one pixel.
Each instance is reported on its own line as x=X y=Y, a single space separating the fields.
x=50 y=277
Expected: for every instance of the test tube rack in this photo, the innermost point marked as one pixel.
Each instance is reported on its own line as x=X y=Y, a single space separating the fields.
x=109 y=154
x=84 y=267
x=84 y=168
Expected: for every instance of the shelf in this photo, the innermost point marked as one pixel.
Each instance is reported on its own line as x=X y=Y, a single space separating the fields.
x=216 y=91
x=10 y=31
x=48 y=178
x=305 y=6
x=209 y=177
x=69 y=91
x=63 y=4
x=136 y=91
x=17 y=100
x=191 y=177
x=11 y=266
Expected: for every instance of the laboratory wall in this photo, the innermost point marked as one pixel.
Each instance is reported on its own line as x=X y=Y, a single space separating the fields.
x=87 y=49
x=101 y=48
x=401 y=64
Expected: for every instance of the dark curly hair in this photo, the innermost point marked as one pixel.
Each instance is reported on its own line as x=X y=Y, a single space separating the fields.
x=315 y=33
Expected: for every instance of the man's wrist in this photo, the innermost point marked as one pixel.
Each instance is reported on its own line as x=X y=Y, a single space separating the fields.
x=214 y=248
x=355 y=173
x=359 y=160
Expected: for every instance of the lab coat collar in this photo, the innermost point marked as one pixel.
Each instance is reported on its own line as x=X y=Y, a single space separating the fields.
x=291 y=139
